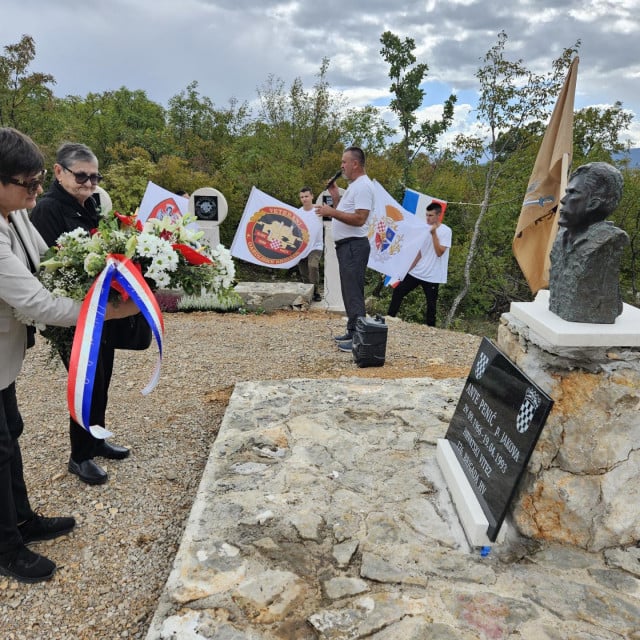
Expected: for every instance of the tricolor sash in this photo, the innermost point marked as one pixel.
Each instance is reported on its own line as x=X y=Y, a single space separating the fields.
x=123 y=273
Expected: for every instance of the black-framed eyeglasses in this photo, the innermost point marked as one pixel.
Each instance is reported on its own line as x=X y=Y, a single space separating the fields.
x=31 y=185
x=81 y=177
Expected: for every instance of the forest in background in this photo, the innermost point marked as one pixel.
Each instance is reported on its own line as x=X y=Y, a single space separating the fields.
x=294 y=135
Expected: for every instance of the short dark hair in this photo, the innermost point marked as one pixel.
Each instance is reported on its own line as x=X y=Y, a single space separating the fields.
x=358 y=154
x=306 y=188
x=603 y=181
x=19 y=155
x=71 y=152
x=434 y=206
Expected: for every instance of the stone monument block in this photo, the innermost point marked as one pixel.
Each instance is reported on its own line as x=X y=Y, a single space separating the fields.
x=582 y=483
x=270 y=296
x=332 y=288
x=210 y=208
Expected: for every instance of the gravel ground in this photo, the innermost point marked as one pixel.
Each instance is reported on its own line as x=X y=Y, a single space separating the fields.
x=113 y=566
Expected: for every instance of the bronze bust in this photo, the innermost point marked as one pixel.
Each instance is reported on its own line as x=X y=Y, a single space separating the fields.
x=585 y=257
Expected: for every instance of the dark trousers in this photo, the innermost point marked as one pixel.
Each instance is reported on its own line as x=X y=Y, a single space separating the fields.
x=353 y=255
x=309 y=269
x=14 y=502
x=407 y=286
x=83 y=444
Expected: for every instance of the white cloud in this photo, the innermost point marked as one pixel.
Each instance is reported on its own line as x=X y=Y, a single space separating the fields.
x=230 y=48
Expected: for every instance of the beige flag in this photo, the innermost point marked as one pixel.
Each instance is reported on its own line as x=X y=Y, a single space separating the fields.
x=538 y=222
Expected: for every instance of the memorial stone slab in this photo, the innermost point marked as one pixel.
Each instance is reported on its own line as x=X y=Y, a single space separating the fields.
x=494 y=430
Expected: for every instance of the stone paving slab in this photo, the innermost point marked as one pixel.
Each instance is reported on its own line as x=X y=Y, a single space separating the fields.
x=322 y=515
x=270 y=296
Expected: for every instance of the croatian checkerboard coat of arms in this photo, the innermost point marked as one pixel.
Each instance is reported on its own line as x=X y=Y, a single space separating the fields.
x=275 y=235
x=528 y=408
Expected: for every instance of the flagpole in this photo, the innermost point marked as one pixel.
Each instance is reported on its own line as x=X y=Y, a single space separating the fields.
x=537 y=224
x=553 y=232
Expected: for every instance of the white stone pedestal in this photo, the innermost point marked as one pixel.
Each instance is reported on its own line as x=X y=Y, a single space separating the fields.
x=332 y=290
x=211 y=232
x=624 y=332
x=472 y=518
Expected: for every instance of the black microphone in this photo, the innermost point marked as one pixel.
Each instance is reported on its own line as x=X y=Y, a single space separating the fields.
x=338 y=174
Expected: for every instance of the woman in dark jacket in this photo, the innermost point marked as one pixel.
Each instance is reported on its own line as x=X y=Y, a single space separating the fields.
x=68 y=205
x=23 y=297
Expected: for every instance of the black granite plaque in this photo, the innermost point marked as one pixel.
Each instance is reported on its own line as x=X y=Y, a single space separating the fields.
x=495 y=428
x=206 y=207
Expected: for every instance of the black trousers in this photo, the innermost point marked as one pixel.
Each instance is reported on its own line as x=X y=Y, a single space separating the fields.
x=83 y=444
x=14 y=502
x=353 y=255
x=407 y=286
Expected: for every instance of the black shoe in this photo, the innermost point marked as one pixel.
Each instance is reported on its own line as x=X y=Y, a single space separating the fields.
x=26 y=566
x=346 y=336
x=347 y=345
x=317 y=297
x=88 y=471
x=41 y=528
x=112 y=451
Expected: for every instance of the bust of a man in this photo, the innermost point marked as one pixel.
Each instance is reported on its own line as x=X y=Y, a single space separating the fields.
x=585 y=257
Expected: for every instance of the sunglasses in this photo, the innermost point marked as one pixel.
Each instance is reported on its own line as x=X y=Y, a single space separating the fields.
x=30 y=185
x=81 y=177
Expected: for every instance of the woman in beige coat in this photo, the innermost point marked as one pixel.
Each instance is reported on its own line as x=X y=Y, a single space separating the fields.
x=21 y=297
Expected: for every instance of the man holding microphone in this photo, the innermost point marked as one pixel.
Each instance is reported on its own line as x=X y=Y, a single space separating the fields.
x=349 y=229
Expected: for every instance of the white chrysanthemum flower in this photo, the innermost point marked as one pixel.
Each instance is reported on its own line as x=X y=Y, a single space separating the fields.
x=148 y=245
x=77 y=234
x=165 y=260
x=161 y=278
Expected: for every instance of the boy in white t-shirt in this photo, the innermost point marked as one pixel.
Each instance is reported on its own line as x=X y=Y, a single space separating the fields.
x=429 y=269
x=309 y=266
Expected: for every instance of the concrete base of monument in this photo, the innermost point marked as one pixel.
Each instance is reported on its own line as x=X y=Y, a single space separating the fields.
x=561 y=333
x=581 y=483
x=470 y=513
x=211 y=231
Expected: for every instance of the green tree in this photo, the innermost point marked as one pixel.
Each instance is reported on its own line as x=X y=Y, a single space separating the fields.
x=174 y=173
x=200 y=131
x=627 y=216
x=406 y=77
x=105 y=121
x=126 y=182
x=365 y=127
x=26 y=98
x=596 y=133
x=309 y=121
x=511 y=96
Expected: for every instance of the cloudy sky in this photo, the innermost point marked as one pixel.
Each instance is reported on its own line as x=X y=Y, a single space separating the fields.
x=230 y=47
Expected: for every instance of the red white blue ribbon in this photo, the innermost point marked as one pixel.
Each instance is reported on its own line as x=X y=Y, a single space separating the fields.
x=86 y=342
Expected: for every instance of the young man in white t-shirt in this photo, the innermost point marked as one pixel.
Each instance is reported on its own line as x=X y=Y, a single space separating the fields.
x=309 y=266
x=429 y=269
